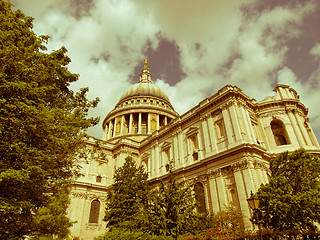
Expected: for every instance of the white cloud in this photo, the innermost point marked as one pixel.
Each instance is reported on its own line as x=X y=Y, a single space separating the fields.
x=315 y=51
x=219 y=44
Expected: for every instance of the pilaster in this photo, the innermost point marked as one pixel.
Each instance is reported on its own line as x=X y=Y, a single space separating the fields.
x=130 y=123
x=227 y=123
x=295 y=128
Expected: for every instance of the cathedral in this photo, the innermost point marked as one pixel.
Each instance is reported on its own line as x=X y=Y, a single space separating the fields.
x=222 y=146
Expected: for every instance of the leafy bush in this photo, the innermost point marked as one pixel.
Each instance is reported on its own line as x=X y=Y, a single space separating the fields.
x=123 y=234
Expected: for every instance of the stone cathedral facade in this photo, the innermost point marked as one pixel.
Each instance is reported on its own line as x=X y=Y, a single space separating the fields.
x=222 y=146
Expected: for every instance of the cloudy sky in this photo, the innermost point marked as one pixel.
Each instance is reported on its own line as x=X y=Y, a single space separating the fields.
x=194 y=47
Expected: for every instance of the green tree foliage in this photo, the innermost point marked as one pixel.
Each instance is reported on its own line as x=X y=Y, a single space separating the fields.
x=42 y=123
x=121 y=234
x=128 y=199
x=52 y=217
x=172 y=209
x=229 y=222
x=291 y=200
x=166 y=211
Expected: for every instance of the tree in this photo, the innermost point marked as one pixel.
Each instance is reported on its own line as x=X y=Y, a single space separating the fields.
x=291 y=200
x=53 y=216
x=128 y=199
x=172 y=209
x=42 y=124
x=229 y=222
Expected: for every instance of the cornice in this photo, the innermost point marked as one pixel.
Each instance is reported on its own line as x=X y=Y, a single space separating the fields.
x=247 y=148
x=281 y=104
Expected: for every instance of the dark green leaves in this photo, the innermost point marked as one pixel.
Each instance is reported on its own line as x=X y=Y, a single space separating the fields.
x=291 y=200
x=42 y=124
x=129 y=196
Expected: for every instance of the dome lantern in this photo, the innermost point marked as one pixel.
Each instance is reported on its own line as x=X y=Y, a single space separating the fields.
x=145 y=75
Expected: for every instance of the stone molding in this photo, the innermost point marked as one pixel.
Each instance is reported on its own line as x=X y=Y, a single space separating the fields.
x=92 y=226
x=88 y=196
x=272 y=114
x=240 y=165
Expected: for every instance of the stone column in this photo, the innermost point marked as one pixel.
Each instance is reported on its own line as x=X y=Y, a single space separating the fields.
x=248 y=179
x=152 y=165
x=235 y=122
x=165 y=120
x=114 y=126
x=181 y=152
x=207 y=195
x=240 y=185
x=214 y=194
x=130 y=123
x=246 y=123
x=158 y=121
x=139 y=124
x=253 y=137
x=227 y=123
x=303 y=129
x=295 y=128
x=122 y=125
x=212 y=134
x=110 y=129
x=176 y=148
x=265 y=142
x=157 y=159
x=149 y=123
x=312 y=135
x=205 y=135
x=105 y=132
x=201 y=147
x=149 y=166
x=221 y=191
x=171 y=157
x=270 y=137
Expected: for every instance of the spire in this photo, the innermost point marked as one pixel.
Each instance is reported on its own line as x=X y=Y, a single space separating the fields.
x=145 y=75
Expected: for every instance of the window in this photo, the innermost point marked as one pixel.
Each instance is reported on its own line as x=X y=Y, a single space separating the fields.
x=200 y=197
x=94 y=211
x=166 y=158
x=193 y=143
x=220 y=129
x=195 y=156
x=279 y=132
x=98 y=178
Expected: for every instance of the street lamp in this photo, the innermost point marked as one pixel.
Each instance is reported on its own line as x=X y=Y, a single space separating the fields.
x=254 y=205
x=253 y=202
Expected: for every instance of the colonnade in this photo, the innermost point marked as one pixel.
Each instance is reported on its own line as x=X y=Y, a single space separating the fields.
x=135 y=123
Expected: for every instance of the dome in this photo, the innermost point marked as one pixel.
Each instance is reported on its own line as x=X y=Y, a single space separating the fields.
x=142 y=109
x=144 y=89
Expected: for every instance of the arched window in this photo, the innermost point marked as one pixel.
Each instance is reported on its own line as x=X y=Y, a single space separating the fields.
x=94 y=211
x=200 y=197
x=279 y=132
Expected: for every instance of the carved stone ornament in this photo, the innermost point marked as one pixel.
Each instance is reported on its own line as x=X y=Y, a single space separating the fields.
x=260 y=165
x=215 y=173
x=240 y=165
x=204 y=117
x=272 y=114
x=81 y=195
x=188 y=182
x=93 y=226
x=201 y=178
x=226 y=170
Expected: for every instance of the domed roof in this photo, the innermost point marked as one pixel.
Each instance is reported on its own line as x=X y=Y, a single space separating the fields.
x=144 y=89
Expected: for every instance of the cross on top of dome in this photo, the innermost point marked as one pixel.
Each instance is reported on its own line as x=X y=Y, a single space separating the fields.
x=145 y=75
